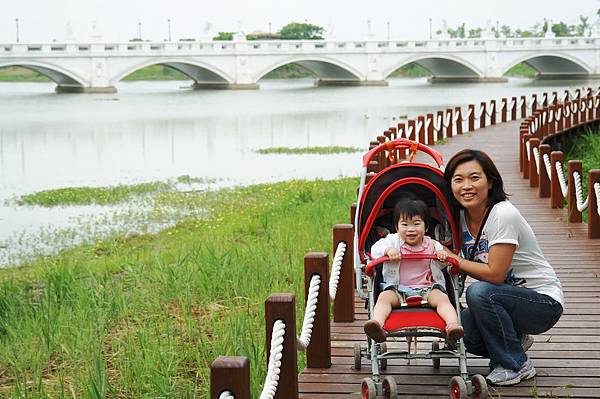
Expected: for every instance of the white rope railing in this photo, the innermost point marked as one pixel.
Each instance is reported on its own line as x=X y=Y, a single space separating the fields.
x=564 y=188
x=336 y=268
x=418 y=126
x=596 y=102
x=567 y=96
x=437 y=123
x=548 y=165
x=481 y=111
x=455 y=117
x=544 y=117
x=427 y=123
x=471 y=110
x=447 y=120
x=274 y=368
x=558 y=113
x=567 y=111
x=528 y=147
x=574 y=107
x=309 y=313
x=581 y=204
x=597 y=192
x=521 y=102
x=409 y=131
x=226 y=395
x=536 y=157
x=550 y=116
x=554 y=97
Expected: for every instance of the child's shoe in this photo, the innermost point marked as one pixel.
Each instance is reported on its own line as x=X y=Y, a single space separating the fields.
x=375 y=331
x=454 y=331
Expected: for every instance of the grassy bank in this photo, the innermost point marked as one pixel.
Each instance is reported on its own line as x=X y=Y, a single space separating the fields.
x=309 y=150
x=585 y=148
x=18 y=74
x=145 y=316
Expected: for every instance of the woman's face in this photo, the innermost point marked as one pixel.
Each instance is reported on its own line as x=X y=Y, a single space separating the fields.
x=470 y=185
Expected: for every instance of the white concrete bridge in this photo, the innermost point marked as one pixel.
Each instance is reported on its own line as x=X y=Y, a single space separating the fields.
x=240 y=64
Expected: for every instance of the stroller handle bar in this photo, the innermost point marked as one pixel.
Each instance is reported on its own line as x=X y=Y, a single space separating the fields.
x=403 y=143
x=371 y=265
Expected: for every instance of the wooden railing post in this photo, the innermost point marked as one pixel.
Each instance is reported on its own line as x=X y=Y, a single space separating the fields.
x=411 y=127
x=450 y=116
x=343 y=304
x=483 y=115
x=318 y=353
x=471 y=117
x=459 y=120
x=568 y=119
x=382 y=160
x=524 y=107
x=556 y=197
x=575 y=120
x=544 y=115
x=283 y=307
x=493 y=112
x=352 y=214
x=597 y=100
x=583 y=110
x=560 y=123
x=574 y=214
x=230 y=373
x=593 y=217
x=534 y=178
x=513 y=108
x=544 y=187
x=552 y=125
x=567 y=96
x=534 y=103
x=554 y=98
x=504 y=109
x=402 y=134
x=590 y=109
x=440 y=133
x=430 y=137
x=523 y=130
x=526 y=161
x=421 y=132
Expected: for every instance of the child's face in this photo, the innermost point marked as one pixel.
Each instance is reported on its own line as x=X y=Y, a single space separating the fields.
x=411 y=229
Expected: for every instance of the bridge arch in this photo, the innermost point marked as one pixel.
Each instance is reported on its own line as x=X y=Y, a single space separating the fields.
x=322 y=67
x=552 y=64
x=440 y=66
x=199 y=72
x=60 y=76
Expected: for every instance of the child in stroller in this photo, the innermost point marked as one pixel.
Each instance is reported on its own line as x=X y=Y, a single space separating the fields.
x=412 y=279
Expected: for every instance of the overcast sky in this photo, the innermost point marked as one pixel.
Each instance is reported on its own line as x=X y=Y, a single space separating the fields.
x=117 y=20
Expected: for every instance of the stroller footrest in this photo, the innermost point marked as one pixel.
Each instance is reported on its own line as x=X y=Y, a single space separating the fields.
x=414 y=318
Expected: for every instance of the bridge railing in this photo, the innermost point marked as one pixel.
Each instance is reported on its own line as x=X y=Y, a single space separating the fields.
x=230 y=376
x=548 y=127
x=37 y=48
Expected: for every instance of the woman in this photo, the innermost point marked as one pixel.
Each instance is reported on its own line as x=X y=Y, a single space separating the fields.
x=518 y=292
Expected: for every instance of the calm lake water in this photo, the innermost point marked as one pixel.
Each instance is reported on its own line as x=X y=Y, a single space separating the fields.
x=152 y=131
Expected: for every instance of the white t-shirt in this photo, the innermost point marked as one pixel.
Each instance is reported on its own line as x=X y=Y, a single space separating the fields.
x=529 y=268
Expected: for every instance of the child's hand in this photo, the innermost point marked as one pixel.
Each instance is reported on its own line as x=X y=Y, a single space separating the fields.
x=393 y=253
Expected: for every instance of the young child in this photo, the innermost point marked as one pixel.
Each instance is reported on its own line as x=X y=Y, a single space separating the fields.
x=412 y=277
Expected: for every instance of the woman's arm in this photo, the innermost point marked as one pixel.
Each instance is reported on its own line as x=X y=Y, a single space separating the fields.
x=495 y=271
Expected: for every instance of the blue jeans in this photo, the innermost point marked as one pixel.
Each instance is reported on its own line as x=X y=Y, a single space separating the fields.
x=498 y=315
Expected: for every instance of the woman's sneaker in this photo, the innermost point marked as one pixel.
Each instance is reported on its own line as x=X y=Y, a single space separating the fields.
x=502 y=376
x=374 y=330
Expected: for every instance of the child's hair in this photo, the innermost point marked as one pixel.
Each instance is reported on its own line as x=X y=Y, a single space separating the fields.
x=410 y=207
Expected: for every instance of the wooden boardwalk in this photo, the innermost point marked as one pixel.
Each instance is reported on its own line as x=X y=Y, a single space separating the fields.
x=567 y=357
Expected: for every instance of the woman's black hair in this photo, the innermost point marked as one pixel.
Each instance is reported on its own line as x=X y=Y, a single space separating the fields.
x=496 y=192
x=410 y=207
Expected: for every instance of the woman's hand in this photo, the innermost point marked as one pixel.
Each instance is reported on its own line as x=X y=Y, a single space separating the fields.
x=393 y=253
x=443 y=255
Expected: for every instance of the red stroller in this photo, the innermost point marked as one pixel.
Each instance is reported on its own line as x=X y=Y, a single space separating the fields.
x=373 y=220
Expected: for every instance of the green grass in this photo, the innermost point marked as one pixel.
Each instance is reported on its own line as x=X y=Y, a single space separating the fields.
x=145 y=316
x=156 y=72
x=411 y=70
x=19 y=74
x=91 y=195
x=521 y=70
x=308 y=150
x=586 y=148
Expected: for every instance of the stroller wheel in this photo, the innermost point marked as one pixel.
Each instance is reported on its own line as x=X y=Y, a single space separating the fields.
x=435 y=346
x=383 y=362
x=480 y=389
x=390 y=389
x=357 y=357
x=367 y=389
x=458 y=388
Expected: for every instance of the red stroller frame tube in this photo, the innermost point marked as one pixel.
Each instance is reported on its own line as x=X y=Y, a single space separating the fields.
x=402 y=143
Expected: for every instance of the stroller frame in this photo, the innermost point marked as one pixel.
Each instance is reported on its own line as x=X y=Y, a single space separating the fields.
x=378 y=353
